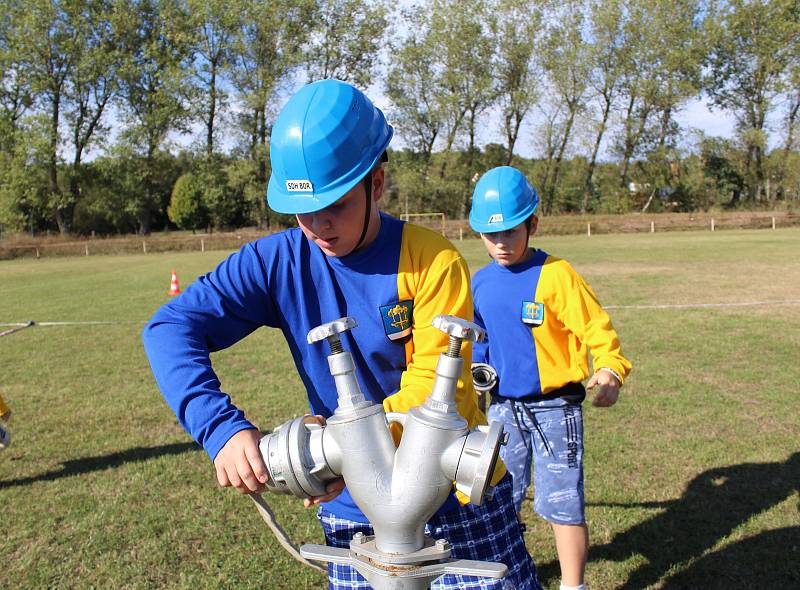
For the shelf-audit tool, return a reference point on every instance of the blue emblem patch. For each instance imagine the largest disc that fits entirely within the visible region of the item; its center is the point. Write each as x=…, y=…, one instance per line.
x=533, y=313
x=397, y=319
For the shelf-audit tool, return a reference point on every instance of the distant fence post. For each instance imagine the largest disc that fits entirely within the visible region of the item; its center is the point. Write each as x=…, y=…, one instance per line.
x=37, y=252
x=86, y=248
x=202, y=245
x=652, y=227
x=712, y=224
x=460, y=234
x=588, y=229
x=144, y=247
x=773, y=222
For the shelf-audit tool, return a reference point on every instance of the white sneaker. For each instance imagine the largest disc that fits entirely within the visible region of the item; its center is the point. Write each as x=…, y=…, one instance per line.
x=5, y=438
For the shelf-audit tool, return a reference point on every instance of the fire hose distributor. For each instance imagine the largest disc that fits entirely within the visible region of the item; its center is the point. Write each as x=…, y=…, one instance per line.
x=398, y=489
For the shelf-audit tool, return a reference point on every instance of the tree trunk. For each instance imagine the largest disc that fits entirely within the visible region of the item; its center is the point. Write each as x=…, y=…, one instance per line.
x=212, y=111
x=789, y=145
x=561, y=149
x=588, y=185
x=470, y=161
x=61, y=215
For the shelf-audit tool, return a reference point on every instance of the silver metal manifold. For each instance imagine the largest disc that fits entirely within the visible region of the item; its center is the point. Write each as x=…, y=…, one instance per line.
x=398, y=488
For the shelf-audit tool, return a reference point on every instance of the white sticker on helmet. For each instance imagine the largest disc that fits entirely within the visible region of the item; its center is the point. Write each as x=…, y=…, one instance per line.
x=299, y=186
x=496, y=218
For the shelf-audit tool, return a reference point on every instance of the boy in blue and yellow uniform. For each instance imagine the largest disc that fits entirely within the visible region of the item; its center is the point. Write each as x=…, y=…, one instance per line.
x=541, y=321
x=345, y=259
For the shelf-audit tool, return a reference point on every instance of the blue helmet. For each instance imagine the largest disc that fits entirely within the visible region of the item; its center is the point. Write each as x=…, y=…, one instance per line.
x=325, y=140
x=503, y=198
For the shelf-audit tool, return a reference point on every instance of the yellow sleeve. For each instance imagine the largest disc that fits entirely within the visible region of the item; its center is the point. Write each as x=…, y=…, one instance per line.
x=436, y=278
x=583, y=315
x=4, y=409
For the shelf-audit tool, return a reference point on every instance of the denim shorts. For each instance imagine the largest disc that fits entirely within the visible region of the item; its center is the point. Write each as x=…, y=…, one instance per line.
x=546, y=437
x=489, y=532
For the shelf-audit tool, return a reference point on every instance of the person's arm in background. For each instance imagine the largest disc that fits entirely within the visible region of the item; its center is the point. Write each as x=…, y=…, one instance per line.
x=216, y=311
x=586, y=318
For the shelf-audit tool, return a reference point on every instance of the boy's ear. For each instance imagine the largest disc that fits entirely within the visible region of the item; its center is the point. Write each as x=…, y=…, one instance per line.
x=378, y=180
x=534, y=225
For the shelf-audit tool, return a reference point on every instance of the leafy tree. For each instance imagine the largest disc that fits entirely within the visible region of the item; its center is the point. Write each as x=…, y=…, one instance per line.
x=187, y=207
x=346, y=40
x=154, y=85
x=16, y=97
x=606, y=55
x=753, y=43
x=47, y=37
x=214, y=25
x=516, y=28
x=267, y=51
x=568, y=66
x=24, y=182
x=791, y=118
x=720, y=166
x=90, y=88
x=639, y=86
x=410, y=86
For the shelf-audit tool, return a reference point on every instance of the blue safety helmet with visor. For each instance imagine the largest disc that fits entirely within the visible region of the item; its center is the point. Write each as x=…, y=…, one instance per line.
x=503, y=198
x=325, y=140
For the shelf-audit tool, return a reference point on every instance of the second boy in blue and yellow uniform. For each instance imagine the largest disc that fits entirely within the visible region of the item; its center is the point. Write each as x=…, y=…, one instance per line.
x=542, y=321
x=345, y=259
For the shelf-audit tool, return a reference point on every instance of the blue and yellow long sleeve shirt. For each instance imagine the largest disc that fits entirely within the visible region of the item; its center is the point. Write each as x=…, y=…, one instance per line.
x=542, y=320
x=393, y=288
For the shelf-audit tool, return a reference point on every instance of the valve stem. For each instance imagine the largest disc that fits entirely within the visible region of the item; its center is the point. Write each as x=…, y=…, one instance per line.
x=454, y=347
x=336, y=345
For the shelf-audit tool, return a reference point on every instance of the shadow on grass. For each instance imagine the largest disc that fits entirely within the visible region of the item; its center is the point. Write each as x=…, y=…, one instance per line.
x=91, y=464
x=714, y=504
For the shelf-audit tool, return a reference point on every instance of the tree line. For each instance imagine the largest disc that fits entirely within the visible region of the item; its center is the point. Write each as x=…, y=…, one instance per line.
x=94, y=94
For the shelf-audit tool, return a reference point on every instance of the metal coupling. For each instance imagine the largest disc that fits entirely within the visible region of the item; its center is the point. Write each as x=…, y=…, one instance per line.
x=477, y=455
x=484, y=377
x=296, y=460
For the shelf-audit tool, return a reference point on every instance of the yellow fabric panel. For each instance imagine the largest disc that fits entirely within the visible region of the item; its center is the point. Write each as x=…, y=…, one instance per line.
x=4, y=409
x=433, y=274
x=575, y=325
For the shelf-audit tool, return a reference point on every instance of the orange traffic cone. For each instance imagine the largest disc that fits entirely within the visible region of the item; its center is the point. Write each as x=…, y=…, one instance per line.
x=174, y=287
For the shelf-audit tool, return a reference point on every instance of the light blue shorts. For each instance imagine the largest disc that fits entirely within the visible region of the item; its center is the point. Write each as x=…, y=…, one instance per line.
x=547, y=437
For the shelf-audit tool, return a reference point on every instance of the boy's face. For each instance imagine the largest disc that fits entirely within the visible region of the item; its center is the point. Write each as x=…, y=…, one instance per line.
x=511, y=246
x=337, y=228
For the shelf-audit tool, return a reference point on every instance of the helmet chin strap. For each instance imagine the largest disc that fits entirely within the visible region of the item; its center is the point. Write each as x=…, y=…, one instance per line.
x=367, y=211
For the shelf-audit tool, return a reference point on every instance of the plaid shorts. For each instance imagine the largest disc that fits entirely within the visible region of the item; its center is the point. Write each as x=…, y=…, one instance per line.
x=489, y=532
x=549, y=434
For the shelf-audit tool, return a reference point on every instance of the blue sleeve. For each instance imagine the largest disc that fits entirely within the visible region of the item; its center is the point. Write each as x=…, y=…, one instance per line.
x=216, y=311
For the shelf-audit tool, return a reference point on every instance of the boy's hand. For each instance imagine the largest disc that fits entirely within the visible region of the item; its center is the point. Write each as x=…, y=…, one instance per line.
x=607, y=389
x=239, y=463
x=334, y=489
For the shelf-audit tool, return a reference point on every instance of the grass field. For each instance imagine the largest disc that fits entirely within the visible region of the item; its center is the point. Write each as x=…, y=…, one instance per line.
x=692, y=478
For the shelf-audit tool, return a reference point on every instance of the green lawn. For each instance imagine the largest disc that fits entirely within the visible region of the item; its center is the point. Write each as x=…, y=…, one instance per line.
x=692, y=478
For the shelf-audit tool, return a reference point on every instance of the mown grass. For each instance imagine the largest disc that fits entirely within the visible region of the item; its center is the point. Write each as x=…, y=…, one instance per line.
x=692, y=478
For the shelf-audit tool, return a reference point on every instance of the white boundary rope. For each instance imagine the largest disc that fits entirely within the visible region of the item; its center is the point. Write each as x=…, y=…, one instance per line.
x=704, y=305
x=84, y=323
x=642, y=306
